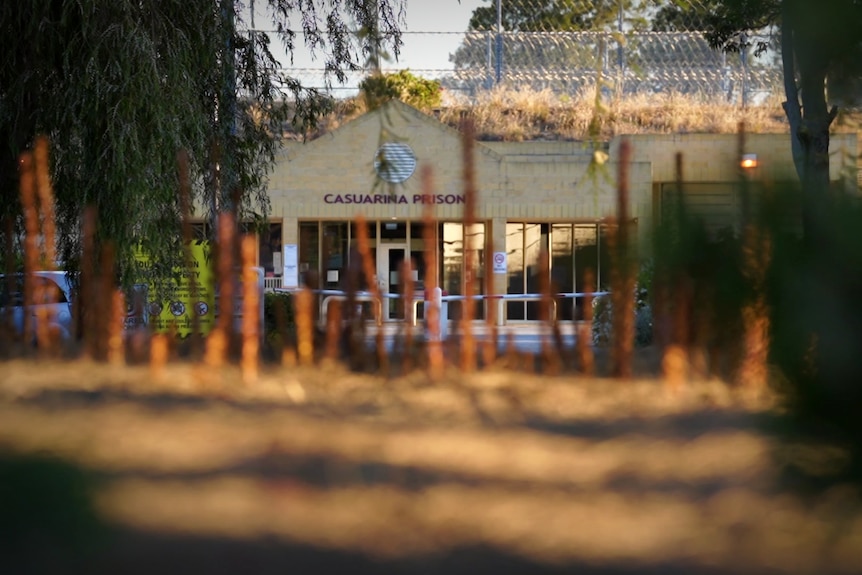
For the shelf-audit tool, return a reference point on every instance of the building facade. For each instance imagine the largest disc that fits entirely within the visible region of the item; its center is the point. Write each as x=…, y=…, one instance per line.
x=531, y=197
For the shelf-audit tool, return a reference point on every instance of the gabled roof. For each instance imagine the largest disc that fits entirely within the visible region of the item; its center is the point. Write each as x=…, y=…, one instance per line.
x=388, y=115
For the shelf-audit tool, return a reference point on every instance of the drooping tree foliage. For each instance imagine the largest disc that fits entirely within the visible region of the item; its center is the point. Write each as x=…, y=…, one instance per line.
x=120, y=87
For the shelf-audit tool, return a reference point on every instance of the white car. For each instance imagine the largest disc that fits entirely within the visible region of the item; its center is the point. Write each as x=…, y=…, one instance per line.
x=57, y=292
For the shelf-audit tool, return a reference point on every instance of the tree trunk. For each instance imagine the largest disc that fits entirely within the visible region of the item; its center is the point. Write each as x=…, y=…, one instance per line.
x=809, y=120
x=791, y=92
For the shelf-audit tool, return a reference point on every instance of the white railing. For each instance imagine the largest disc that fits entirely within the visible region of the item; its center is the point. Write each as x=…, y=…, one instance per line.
x=501, y=299
x=271, y=283
x=330, y=295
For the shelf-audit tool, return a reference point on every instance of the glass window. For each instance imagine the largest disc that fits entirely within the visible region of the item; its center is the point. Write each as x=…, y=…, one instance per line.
x=354, y=257
x=574, y=249
x=535, y=240
x=563, y=268
x=393, y=232
x=417, y=252
x=309, y=254
x=524, y=244
x=333, y=251
x=515, y=268
x=604, y=254
x=586, y=258
x=453, y=256
x=456, y=260
x=474, y=264
x=269, y=244
x=370, y=230
x=417, y=238
x=452, y=234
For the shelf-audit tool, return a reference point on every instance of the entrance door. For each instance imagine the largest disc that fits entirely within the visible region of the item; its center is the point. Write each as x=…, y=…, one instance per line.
x=389, y=260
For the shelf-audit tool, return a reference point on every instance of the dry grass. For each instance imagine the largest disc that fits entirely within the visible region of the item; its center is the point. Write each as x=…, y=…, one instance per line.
x=533, y=474
x=529, y=115
x=525, y=114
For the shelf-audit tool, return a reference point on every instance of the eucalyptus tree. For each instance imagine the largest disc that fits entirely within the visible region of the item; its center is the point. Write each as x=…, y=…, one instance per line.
x=547, y=15
x=120, y=87
x=815, y=314
x=821, y=52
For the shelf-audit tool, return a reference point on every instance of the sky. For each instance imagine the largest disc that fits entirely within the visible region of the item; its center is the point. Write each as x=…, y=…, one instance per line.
x=433, y=30
x=431, y=51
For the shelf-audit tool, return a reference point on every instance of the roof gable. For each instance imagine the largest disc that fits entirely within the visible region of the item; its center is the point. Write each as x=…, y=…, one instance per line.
x=394, y=121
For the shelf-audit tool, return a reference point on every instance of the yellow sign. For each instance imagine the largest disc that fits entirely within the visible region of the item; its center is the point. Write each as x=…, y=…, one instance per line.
x=193, y=298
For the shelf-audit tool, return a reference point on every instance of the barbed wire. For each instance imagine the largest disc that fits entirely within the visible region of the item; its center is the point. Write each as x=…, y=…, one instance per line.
x=567, y=46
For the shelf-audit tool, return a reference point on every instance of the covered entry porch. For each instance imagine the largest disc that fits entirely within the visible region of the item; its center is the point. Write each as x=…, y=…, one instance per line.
x=325, y=252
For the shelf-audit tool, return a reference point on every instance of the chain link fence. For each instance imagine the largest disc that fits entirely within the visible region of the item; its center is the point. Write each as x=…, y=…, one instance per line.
x=569, y=46
x=571, y=62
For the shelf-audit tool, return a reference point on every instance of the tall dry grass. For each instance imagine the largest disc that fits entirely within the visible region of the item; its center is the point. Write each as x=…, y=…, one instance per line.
x=527, y=114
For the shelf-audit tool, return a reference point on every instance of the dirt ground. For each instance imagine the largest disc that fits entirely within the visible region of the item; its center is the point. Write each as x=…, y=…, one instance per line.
x=324, y=470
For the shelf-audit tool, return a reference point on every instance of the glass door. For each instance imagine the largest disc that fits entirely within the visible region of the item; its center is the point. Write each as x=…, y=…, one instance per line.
x=389, y=261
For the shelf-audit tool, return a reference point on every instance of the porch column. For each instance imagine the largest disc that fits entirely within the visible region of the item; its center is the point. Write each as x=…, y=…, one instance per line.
x=499, y=281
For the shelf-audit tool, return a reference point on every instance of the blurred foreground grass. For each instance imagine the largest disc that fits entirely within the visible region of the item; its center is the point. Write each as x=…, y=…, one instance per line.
x=327, y=470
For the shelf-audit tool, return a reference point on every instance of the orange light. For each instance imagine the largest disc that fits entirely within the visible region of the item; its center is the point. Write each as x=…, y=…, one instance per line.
x=748, y=161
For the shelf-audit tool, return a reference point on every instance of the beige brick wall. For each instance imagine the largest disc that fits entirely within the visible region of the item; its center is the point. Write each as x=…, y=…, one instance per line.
x=715, y=157
x=529, y=181
x=515, y=180
x=537, y=181
x=342, y=162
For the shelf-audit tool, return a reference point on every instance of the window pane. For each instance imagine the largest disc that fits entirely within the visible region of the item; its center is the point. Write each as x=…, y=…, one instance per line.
x=515, y=268
x=269, y=243
x=417, y=238
x=357, y=267
x=453, y=254
x=535, y=236
x=604, y=258
x=586, y=258
x=393, y=232
x=334, y=254
x=563, y=268
x=371, y=230
x=475, y=265
x=309, y=253
x=453, y=260
x=417, y=252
